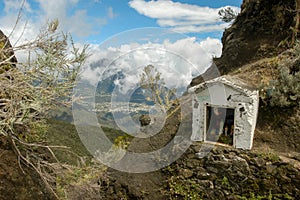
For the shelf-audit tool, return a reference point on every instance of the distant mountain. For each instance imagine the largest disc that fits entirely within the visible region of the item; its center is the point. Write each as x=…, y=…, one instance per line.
x=106, y=87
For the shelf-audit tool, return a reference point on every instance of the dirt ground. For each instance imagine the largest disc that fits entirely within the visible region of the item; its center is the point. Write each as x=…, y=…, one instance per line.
x=14, y=184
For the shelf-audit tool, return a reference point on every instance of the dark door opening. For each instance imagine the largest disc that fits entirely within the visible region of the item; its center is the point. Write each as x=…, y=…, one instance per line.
x=220, y=125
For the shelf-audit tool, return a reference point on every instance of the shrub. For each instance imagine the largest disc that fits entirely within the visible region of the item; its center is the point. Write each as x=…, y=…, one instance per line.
x=31, y=89
x=284, y=90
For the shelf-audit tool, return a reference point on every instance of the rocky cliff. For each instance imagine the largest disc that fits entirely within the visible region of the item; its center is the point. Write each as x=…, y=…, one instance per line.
x=7, y=56
x=263, y=29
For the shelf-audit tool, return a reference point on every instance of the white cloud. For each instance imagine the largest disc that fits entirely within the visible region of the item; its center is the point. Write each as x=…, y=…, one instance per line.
x=81, y=24
x=78, y=23
x=55, y=9
x=19, y=30
x=111, y=13
x=212, y=46
x=178, y=61
x=172, y=10
x=12, y=5
x=71, y=20
x=182, y=17
x=199, y=29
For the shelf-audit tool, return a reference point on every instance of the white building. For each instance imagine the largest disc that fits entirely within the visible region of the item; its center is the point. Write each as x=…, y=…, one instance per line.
x=224, y=112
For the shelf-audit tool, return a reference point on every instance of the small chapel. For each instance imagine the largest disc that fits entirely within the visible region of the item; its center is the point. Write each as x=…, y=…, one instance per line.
x=224, y=112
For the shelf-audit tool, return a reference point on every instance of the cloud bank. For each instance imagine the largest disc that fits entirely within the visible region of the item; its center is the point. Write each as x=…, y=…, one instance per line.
x=35, y=14
x=178, y=61
x=23, y=20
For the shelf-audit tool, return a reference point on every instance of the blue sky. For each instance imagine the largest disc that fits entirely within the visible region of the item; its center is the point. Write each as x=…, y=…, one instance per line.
x=105, y=18
x=128, y=18
x=117, y=32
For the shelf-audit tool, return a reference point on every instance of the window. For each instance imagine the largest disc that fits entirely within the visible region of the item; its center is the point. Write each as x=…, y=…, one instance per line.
x=219, y=125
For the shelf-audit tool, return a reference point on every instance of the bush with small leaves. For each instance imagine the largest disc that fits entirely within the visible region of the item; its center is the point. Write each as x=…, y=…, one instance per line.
x=29, y=90
x=284, y=90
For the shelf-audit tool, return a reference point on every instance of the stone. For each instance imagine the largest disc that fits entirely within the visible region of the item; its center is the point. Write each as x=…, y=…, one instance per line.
x=195, y=147
x=270, y=168
x=259, y=162
x=222, y=165
x=186, y=173
x=192, y=163
x=145, y=120
x=212, y=169
x=207, y=184
x=203, y=175
x=241, y=164
x=6, y=52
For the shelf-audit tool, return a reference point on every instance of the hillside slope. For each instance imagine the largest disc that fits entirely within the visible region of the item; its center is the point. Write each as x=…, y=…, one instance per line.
x=263, y=29
x=253, y=46
x=259, y=40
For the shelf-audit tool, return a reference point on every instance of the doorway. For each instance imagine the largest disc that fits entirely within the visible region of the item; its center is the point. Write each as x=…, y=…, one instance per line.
x=219, y=125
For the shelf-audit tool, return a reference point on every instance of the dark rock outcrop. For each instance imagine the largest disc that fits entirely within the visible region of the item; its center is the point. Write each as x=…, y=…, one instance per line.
x=7, y=56
x=232, y=174
x=224, y=173
x=145, y=120
x=263, y=29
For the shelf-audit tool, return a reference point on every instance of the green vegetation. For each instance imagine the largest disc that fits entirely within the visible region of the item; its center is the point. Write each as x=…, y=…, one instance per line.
x=78, y=177
x=269, y=156
x=270, y=196
x=225, y=183
x=183, y=189
x=64, y=134
x=284, y=89
x=227, y=14
x=81, y=170
x=29, y=91
x=118, y=137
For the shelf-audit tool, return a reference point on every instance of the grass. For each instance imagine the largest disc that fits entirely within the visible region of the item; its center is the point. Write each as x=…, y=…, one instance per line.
x=65, y=134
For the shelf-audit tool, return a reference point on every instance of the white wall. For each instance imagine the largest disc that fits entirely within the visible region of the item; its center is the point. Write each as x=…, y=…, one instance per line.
x=241, y=100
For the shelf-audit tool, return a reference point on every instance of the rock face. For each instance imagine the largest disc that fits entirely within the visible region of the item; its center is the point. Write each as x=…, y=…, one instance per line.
x=232, y=174
x=145, y=120
x=224, y=173
x=17, y=181
x=6, y=53
x=264, y=28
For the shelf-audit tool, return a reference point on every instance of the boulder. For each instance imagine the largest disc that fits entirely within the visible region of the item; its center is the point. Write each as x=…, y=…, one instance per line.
x=7, y=56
